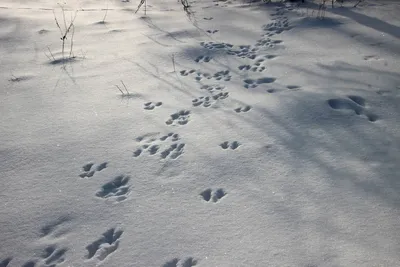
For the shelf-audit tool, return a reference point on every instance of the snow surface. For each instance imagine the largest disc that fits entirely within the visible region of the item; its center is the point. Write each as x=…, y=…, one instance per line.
x=253, y=135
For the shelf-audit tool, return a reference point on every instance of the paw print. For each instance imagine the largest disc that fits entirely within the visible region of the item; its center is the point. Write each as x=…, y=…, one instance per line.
x=210, y=195
x=151, y=105
x=232, y=145
x=89, y=169
x=179, y=118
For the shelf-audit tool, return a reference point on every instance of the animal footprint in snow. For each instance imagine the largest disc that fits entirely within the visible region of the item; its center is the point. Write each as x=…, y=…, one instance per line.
x=166, y=146
x=207, y=101
x=151, y=105
x=189, y=262
x=250, y=83
x=244, y=51
x=174, y=151
x=242, y=109
x=5, y=262
x=50, y=257
x=220, y=96
x=258, y=66
x=105, y=245
x=233, y=145
x=213, y=196
x=54, y=229
x=212, y=88
x=354, y=103
x=209, y=18
x=53, y=256
x=216, y=46
x=202, y=101
x=89, y=169
x=179, y=118
x=277, y=26
x=203, y=59
x=220, y=75
x=267, y=42
x=186, y=72
x=117, y=189
x=212, y=31
x=244, y=67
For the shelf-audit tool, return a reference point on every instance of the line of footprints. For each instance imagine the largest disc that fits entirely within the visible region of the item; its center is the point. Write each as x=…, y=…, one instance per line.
x=170, y=146
x=53, y=254
x=117, y=190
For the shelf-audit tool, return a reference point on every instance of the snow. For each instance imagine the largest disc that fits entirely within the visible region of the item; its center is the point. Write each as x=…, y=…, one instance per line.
x=252, y=135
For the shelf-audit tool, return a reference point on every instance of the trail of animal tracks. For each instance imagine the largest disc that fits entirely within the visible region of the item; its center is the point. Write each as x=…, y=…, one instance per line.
x=248, y=135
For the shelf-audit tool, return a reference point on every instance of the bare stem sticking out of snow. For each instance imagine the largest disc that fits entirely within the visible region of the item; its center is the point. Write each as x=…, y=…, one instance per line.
x=105, y=15
x=185, y=4
x=123, y=94
x=140, y=5
x=68, y=29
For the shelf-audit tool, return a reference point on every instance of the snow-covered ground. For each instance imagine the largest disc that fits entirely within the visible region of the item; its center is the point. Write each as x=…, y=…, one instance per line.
x=252, y=135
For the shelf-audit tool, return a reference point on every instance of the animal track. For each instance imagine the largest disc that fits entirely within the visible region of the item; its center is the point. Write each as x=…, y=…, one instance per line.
x=50, y=257
x=267, y=43
x=212, y=31
x=5, y=262
x=243, y=51
x=54, y=228
x=250, y=83
x=207, y=101
x=53, y=256
x=233, y=145
x=189, y=262
x=216, y=46
x=212, y=88
x=242, y=109
x=352, y=102
x=214, y=196
x=166, y=146
x=117, y=189
x=258, y=66
x=179, y=118
x=174, y=151
x=277, y=27
x=224, y=74
x=105, y=245
x=203, y=59
x=151, y=105
x=209, y=18
x=187, y=72
x=89, y=169
x=255, y=68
